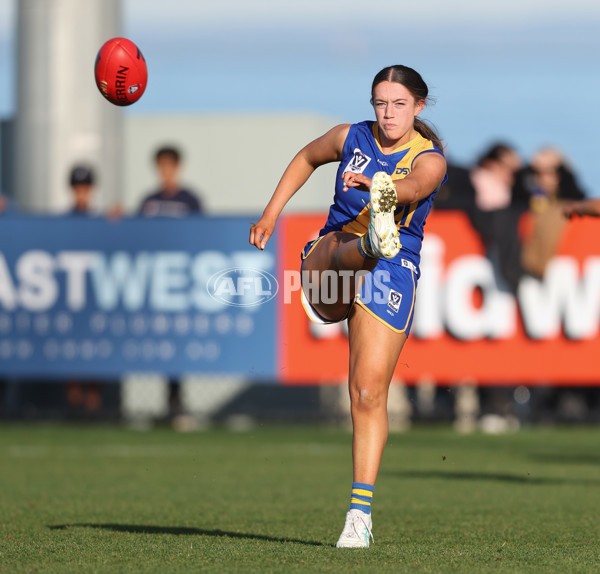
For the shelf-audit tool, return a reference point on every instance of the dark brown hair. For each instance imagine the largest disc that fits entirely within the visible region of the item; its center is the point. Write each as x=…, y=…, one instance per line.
x=414, y=83
x=171, y=152
x=495, y=153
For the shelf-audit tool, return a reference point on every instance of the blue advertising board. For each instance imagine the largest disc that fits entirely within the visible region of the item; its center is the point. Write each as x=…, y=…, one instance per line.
x=90, y=297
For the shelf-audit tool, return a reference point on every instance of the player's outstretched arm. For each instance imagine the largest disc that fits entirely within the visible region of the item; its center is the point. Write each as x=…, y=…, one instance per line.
x=427, y=174
x=589, y=207
x=323, y=150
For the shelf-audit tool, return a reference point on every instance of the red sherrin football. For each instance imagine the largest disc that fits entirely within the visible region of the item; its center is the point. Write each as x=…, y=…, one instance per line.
x=121, y=72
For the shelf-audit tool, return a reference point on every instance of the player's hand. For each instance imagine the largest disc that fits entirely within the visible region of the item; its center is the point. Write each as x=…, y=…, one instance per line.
x=358, y=180
x=261, y=231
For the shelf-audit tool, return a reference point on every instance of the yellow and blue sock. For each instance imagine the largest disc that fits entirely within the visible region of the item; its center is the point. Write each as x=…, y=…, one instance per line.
x=362, y=496
x=364, y=247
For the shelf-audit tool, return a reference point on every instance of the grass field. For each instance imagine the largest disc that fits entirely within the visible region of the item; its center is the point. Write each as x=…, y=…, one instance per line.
x=96, y=499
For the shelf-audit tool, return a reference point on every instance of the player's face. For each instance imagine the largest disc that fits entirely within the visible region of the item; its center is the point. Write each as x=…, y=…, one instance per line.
x=395, y=111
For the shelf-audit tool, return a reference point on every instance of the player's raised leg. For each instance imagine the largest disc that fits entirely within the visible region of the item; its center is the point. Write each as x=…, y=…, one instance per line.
x=341, y=251
x=336, y=252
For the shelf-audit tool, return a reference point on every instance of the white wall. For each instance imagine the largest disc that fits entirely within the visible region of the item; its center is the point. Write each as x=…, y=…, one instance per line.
x=234, y=161
x=61, y=117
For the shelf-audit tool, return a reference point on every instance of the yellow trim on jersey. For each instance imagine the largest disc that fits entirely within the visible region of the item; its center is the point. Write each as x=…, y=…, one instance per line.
x=360, y=224
x=375, y=130
x=311, y=248
x=412, y=304
x=417, y=145
x=382, y=320
x=411, y=211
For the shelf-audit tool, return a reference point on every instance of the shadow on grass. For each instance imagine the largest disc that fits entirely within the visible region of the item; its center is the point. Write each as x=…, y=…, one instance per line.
x=566, y=458
x=182, y=531
x=493, y=476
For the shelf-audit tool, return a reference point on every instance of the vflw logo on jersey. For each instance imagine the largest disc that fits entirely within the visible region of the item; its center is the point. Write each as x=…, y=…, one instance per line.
x=358, y=163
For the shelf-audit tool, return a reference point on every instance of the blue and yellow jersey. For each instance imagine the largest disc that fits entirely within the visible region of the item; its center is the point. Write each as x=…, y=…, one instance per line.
x=350, y=210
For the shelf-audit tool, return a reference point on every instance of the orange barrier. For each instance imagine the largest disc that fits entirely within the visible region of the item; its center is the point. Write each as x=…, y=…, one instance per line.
x=465, y=328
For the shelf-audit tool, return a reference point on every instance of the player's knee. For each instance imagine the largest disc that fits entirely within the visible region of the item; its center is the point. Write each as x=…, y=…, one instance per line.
x=367, y=398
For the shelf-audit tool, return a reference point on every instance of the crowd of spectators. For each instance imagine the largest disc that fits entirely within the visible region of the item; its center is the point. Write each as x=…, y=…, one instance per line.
x=499, y=189
x=497, y=192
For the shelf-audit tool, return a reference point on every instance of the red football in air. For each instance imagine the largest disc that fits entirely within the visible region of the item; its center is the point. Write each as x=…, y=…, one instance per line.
x=121, y=72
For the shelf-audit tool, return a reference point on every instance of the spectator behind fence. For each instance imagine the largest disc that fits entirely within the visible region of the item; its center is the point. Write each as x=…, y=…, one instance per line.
x=494, y=214
x=171, y=199
x=550, y=184
x=82, y=183
x=83, y=397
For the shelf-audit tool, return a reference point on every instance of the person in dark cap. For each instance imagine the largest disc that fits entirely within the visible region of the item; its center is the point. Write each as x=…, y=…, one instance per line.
x=82, y=182
x=83, y=397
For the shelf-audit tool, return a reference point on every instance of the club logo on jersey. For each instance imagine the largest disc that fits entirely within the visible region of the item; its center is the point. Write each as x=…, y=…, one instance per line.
x=358, y=163
x=394, y=300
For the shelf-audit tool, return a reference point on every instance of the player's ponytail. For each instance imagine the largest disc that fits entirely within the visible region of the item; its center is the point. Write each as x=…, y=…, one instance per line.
x=414, y=83
x=428, y=133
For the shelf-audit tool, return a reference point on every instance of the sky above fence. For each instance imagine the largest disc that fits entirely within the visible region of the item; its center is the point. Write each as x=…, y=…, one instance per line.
x=520, y=71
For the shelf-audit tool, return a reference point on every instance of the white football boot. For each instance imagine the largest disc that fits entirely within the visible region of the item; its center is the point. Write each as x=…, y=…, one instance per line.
x=357, y=530
x=383, y=233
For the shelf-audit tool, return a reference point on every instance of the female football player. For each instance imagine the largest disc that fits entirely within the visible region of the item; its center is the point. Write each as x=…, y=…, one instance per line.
x=389, y=172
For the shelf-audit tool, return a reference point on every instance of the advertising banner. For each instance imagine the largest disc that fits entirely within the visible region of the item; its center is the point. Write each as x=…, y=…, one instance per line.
x=466, y=328
x=84, y=296
x=93, y=298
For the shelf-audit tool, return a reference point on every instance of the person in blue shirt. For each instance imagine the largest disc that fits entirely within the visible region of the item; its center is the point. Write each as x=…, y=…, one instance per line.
x=171, y=199
x=389, y=172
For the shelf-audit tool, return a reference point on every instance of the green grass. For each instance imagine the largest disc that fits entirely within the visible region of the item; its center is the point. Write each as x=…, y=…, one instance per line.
x=95, y=499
